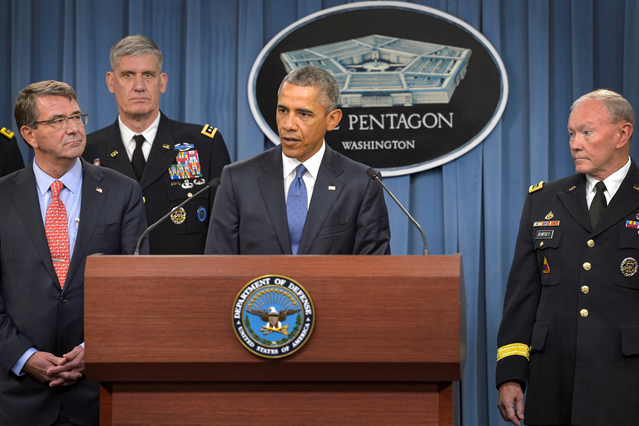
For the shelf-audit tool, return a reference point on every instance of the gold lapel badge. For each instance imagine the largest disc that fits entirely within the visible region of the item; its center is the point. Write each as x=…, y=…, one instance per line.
x=549, y=216
x=114, y=153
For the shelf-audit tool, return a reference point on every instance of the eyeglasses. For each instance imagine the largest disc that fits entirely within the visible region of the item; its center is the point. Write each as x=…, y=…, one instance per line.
x=62, y=122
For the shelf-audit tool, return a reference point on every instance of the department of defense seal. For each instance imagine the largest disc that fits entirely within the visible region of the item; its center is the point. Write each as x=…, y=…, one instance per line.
x=273, y=316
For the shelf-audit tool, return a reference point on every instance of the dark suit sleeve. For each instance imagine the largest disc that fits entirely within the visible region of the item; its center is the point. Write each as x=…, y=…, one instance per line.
x=134, y=223
x=373, y=231
x=223, y=234
x=520, y=305
x=12, y=343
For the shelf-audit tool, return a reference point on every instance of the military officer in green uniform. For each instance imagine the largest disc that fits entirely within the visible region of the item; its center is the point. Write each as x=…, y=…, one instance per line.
x=170, y=159
x=569, y=335
x=10, y=157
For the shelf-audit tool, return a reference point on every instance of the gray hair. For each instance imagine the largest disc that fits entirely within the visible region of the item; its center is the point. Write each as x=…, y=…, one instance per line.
x=25, y=110
x=619, y=109
x=134, y=45
x=312, y=76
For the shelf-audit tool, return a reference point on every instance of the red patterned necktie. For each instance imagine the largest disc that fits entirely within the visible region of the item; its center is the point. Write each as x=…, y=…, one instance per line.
x=57, y=230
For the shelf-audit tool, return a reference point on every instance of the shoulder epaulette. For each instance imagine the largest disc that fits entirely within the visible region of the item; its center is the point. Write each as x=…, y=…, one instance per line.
x=209, y=131
x=8, y=133
x=536, y=187
x=513, y=349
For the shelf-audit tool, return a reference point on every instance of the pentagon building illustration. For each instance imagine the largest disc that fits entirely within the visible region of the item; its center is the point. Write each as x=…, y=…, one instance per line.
x=376, y=70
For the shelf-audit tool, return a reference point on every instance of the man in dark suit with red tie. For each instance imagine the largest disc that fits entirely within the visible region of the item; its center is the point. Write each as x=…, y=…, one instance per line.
x=56, y=212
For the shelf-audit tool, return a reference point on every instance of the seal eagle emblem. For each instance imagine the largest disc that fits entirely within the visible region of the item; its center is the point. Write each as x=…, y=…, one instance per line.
x=273, y=316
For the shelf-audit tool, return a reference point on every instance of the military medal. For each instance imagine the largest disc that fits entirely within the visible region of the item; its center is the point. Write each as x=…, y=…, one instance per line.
x=178, y=216
x=188, y=164
x=199, y=181
x=187, y=184
x=542, y=223
x=629, y=267
x=632, y=224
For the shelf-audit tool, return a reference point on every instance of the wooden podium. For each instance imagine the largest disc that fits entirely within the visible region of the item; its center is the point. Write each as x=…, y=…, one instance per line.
x=386, y=346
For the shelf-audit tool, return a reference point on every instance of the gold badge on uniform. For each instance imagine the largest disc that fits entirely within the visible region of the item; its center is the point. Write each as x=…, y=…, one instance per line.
x=114, y=153
x=629, y=267
x=209, y=131
x=546, y=268
x=549, y=216
x=178, y=216
x=7, y=132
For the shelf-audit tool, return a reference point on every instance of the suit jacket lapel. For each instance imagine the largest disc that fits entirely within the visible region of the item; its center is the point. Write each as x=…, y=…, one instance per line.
x=25, y=200
x=91, y=206
x=115, y=152
x=322, y=200
x=160, y=157
x=625, y=201
x=271, y=185
x=574, y=200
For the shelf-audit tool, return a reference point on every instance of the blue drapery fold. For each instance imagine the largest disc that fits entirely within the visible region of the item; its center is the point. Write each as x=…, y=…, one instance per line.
x=554, y=51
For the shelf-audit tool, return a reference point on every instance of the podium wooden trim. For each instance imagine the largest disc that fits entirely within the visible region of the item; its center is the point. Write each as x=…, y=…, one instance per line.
x=386, y=346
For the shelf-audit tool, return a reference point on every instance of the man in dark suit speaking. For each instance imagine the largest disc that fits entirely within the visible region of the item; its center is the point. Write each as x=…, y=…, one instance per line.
x=170, y=159
x=56, y=212
x=300, y=197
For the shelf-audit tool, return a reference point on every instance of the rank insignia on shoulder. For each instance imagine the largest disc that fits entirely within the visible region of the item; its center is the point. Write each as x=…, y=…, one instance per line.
x=8, y=133
x=209, y=131
x=536, y=187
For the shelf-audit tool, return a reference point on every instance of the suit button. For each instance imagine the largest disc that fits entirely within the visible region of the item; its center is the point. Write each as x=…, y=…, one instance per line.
x=144, y=199
x=541, y=244
x=63, y=299
x=591, y=243
x=587, y=266
x=583, y=313
x=189, y=195
x=585, y=289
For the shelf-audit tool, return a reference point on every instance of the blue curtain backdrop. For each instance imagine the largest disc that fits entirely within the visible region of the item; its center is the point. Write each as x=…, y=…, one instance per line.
x=554, y=51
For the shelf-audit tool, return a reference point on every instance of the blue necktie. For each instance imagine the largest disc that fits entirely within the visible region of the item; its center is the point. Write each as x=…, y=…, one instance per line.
x=296, y=206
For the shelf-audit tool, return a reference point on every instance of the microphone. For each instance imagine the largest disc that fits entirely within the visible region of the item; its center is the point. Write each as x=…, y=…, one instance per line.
x=372, y=173
x=212, y=184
